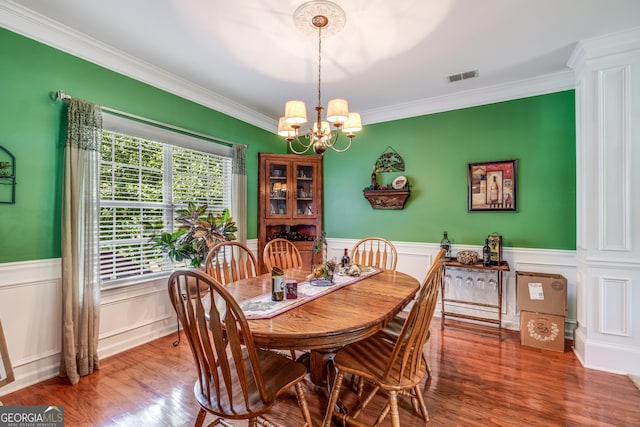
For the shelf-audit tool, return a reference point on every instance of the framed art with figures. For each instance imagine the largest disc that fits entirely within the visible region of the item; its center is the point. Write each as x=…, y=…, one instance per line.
x=492, y=186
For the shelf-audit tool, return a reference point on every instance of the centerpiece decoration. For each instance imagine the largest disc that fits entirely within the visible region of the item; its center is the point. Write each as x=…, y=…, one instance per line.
x=325, y=271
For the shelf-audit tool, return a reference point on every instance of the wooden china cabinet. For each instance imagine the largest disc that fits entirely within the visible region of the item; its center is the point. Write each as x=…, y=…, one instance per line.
x=290, y=201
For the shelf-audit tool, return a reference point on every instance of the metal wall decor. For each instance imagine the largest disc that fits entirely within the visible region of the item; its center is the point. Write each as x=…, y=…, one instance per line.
x=389, y=161
x=7, y=177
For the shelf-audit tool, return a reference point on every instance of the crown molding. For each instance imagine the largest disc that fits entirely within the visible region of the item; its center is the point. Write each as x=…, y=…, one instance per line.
x=21, y=20
x=620, y=43
x=24, y=21
x=549, y=83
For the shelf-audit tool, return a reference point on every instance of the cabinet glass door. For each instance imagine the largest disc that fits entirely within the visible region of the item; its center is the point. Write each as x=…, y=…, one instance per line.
x=278, y=190
x=304, y=202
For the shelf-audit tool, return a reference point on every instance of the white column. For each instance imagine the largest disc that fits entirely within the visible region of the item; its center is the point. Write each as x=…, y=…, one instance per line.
x=607, y=73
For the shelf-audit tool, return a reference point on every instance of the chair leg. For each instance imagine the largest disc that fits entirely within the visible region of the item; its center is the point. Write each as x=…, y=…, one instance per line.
x=423, y=407
x=393, y=401
x=302, y=402
x=200, y=418
x=426, y=363
x=357, y=385
x=364, y=402
x=177, y=342
x=335, y=392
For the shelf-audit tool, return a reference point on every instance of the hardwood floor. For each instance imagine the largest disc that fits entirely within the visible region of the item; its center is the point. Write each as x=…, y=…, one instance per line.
x=477, y=381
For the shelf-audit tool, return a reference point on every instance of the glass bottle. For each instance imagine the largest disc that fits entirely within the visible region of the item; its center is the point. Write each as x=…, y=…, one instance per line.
x=345, y=259
x=277, y=284
x=446, y=244
x=486, y=253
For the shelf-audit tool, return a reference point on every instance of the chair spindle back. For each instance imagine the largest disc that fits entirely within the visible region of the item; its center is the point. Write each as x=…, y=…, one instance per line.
x=281, y=253
x=230, y=261
x=375, y=252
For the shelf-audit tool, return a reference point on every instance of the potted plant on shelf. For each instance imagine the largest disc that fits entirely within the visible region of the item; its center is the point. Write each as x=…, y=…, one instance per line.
x=198, y=231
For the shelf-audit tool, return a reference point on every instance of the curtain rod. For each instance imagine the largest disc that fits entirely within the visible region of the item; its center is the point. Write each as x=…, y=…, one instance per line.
x=62, y=96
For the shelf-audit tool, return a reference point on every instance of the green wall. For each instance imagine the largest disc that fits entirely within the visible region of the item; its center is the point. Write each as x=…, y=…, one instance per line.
x=31, y=123
x=539, y=132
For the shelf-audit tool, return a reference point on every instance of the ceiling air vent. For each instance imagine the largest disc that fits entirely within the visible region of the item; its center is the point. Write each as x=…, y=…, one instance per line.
x=463, y=76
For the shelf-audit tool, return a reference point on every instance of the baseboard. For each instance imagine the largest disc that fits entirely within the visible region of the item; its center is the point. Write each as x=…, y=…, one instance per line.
x=130, y=316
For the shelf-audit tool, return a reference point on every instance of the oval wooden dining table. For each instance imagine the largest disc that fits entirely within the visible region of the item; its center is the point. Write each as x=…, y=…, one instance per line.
x=326, y=323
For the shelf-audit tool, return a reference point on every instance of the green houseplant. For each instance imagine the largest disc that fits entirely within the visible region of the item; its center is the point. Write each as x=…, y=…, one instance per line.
x=198, y=231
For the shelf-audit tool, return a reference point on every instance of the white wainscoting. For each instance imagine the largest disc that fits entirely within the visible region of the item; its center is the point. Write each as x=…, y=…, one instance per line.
x=415, y=258
x=30, y=310
x=31, y=316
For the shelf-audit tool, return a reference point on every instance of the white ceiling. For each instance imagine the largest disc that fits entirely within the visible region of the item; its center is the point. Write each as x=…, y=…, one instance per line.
x=392, y=59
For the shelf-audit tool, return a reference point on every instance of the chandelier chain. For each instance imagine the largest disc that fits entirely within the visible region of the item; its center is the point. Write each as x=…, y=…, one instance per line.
x=319, y=61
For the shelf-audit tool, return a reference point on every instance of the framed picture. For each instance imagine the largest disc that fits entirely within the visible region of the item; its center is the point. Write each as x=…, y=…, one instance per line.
x=6, y=372
x=492, y=186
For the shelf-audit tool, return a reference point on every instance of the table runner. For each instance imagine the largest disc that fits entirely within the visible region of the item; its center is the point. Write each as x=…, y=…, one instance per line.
x=262, y=307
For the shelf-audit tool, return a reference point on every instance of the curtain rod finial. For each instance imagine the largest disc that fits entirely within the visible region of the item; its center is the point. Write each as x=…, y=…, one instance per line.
x=61, y=96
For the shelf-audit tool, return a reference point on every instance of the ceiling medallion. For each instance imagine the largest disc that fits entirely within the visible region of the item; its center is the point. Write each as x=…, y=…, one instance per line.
x=306, y=12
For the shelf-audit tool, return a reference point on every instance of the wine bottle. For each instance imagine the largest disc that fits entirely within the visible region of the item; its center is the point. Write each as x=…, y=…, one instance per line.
x=345, y=259
x=494, y=192
x=446, y=244
x=486, y=253
x=277, y=284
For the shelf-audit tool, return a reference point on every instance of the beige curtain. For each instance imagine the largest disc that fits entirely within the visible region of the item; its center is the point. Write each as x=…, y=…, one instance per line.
x=239, y=210
x=80, y=252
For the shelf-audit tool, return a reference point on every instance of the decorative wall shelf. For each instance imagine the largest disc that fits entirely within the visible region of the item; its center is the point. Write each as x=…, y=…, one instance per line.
x=386, y=199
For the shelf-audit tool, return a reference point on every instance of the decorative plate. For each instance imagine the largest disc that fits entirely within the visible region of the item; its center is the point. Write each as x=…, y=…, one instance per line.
x=399, y=182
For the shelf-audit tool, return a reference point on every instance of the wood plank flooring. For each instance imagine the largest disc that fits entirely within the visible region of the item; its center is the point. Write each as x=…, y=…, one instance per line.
x=477, y=381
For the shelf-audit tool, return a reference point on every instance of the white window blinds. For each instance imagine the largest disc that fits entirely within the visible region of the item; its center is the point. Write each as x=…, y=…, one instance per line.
x=145, y=181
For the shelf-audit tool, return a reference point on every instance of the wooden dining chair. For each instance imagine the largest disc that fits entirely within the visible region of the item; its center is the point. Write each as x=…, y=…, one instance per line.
x=235, y=380
x=230, y=261
x=375, y=252
x=394, y=367
x=281, y=253
x=394, y=327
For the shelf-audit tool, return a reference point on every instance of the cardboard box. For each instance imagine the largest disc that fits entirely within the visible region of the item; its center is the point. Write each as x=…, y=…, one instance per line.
x=542, y=330
x=541, y=293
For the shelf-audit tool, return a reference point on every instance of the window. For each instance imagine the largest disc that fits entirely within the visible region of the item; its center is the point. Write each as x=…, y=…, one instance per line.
x=145, y=180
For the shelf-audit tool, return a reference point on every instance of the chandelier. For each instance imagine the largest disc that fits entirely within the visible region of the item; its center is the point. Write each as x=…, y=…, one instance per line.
x=321, y=135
